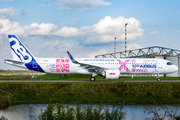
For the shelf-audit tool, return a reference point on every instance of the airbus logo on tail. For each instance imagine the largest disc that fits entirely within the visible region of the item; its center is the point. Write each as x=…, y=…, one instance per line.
x=19, y=50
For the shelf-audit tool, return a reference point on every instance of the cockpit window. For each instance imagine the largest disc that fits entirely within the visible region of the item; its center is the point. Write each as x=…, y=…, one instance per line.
x=169, y=63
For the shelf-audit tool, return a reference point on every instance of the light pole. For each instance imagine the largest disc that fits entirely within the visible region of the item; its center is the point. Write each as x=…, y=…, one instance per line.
x=115, y=47
x=125, y=38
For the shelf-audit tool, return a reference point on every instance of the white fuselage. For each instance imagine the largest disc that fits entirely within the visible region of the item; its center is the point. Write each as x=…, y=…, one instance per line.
x=125, y=65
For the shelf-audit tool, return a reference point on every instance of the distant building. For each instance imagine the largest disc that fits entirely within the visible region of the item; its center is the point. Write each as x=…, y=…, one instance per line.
x=150, y=52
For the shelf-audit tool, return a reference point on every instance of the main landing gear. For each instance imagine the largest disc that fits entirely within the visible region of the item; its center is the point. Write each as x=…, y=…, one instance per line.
x=92, y=79
x=158, y=79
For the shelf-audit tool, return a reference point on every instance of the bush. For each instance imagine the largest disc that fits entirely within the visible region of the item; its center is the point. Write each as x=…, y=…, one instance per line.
x=60, y=112
x=3, y=118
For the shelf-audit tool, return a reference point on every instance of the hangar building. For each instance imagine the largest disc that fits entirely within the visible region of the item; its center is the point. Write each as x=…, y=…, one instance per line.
x=150, y=52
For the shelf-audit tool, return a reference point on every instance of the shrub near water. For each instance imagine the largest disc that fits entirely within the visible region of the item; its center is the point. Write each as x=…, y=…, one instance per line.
x=5, y=101
x=59, y=112
x=128, y=93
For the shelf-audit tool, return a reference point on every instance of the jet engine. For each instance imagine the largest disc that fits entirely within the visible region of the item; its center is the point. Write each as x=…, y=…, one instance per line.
x=111, y=74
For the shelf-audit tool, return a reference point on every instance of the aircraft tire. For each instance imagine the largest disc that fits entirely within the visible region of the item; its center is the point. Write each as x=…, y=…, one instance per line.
x=92, y=79
x=158, y=79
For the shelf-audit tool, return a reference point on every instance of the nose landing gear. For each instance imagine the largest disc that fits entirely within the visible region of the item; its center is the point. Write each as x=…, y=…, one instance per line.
x=92, y=79
x=158, y=79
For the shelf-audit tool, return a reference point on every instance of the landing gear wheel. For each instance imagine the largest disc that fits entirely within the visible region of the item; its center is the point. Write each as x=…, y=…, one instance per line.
x=158, y=79
x=92, y=79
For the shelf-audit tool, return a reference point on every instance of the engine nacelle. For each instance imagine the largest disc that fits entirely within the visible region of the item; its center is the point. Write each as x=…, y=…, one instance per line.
x=111, y=74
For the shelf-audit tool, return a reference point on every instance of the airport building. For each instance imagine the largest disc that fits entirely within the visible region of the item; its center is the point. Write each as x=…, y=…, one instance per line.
x=149, y=52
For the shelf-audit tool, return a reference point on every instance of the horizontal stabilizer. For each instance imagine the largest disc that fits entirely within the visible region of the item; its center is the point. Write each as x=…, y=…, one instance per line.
x=13, y=61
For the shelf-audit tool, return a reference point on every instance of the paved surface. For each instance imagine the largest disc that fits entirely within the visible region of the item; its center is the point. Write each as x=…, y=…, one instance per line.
x=4, y=81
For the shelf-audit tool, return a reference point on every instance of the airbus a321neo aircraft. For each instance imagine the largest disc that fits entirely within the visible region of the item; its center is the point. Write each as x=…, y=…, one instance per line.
x=109, y=68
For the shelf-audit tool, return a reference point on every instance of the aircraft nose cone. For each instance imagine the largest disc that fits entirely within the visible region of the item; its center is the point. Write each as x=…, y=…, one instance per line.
x=176, y=68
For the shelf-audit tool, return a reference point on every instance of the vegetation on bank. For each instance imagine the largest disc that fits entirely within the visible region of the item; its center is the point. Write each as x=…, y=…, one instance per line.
x=5, y=101
x=119, y=93
x=100, y=112
x=59, y=112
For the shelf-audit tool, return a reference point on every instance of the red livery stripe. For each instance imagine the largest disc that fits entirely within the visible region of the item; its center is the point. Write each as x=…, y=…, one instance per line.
x=111, y=73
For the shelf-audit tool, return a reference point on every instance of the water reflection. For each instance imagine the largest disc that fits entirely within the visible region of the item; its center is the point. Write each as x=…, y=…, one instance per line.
x=31, y=111
x=23, y=112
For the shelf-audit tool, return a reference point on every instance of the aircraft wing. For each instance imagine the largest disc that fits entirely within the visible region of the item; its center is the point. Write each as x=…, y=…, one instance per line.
x=86, y=66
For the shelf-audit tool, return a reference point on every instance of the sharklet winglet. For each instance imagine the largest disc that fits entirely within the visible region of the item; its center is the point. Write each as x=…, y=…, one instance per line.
x=71, y=57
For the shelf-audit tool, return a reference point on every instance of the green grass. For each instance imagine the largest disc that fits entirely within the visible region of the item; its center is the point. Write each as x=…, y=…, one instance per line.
x=127, y=93
x=48, y=77
x=16, y=77
x=87, y=77
x=76, y=77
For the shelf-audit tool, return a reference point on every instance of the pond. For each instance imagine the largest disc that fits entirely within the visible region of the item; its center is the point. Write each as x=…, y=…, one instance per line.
x=133, y=112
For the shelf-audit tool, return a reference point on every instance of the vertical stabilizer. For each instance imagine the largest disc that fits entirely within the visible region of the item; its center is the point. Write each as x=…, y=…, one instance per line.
x=19, y=51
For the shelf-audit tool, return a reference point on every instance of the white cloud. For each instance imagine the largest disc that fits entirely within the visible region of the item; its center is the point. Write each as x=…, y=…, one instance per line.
x=56, y=48
x=44, y=5
x=40, y=29
x=56, y=44
x=105, y=30
x=6, y=13
x=133, y=46
x=93, y=54
x=102, y=32
x=66, y=32
x=79, y=4
x=70, y=22
x=9, y=27
x=107, y=50
x=154, y=33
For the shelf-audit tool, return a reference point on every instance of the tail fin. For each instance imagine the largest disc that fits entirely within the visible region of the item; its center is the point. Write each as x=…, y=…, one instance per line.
x=19, y=51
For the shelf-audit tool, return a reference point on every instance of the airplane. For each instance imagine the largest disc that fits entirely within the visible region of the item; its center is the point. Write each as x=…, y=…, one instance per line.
x=109, y=68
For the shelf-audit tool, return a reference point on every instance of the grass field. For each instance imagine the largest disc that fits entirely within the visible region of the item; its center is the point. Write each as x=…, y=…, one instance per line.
x=32, y=75
x=125, y=93
x=75, y=77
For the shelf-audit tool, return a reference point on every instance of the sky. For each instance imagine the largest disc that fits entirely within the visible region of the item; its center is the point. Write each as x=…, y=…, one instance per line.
x=85, y=28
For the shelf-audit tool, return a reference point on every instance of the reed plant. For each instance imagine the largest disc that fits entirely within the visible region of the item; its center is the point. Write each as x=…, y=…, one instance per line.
x=3, y=118
x=60, y=112
x=163, y=112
